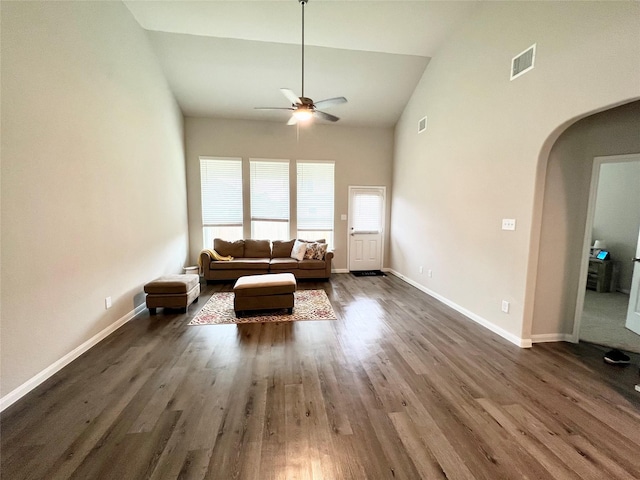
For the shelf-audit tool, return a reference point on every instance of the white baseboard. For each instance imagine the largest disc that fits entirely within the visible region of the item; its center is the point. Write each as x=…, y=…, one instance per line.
x=16, y=394
x=552, y=337
x=521, y=342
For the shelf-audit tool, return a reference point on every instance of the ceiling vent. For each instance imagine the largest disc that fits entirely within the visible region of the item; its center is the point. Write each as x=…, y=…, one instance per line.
x=523, y=62
x=422, y=124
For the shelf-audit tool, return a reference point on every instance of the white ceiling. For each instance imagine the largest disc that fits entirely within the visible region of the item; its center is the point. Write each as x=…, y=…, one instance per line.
x=223, y=58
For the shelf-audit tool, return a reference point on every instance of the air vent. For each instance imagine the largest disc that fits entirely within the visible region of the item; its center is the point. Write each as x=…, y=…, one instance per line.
x=523, y=62
x=422, y=125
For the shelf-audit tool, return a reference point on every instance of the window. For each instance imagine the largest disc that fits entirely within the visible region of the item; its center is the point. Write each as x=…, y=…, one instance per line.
x=269, y=199
x=221, y=193
x=315, y=200
x=366, y=216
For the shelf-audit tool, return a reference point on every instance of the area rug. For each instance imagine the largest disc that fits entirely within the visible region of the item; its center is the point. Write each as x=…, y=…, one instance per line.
x=309, y=305
x=368, y=273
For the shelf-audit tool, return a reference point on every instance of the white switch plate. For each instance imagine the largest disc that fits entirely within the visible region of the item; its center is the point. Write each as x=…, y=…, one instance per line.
x=430, y=273
x=508, y=223
x=343, y=216
x=505, y=306
x=107, y=303
x=421, y=269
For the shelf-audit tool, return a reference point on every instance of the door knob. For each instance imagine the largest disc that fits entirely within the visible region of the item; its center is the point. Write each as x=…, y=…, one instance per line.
x=635, y=259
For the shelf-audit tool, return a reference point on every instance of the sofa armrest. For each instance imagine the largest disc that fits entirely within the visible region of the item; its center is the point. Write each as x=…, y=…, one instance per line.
x=204, y=262
x=327, y=258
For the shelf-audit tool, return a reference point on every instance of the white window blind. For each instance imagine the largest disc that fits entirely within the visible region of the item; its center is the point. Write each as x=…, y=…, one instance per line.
x=221, y=194
x=269, y=199
x=315, y=199
x=367, y=212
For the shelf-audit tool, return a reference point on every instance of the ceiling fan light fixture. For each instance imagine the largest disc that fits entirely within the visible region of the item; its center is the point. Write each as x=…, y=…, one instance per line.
x=303, y=115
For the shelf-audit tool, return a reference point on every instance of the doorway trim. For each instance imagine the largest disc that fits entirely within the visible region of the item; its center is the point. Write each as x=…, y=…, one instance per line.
x=586, y=245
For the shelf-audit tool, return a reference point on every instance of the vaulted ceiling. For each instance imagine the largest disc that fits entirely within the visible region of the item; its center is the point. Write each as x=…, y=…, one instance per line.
x=223, y=58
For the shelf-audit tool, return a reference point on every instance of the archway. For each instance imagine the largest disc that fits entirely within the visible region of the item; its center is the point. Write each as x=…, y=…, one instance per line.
x=560, y=214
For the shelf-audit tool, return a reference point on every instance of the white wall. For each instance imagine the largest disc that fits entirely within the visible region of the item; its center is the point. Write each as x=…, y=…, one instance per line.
x=362, y=156
x=93, y=178
x=478, y=161
x=564, y=213
x=617, y=214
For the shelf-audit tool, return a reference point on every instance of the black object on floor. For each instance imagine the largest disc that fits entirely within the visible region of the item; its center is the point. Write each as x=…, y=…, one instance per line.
x=369, y=273
x=616, y=357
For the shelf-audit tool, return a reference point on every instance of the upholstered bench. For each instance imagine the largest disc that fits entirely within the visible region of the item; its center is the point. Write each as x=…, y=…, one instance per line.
x=172, y=291
x=263, y=292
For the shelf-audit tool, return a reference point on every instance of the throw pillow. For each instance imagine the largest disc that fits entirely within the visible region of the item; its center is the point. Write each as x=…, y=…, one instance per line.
x=312, y=251
x=298, y=250
x=322, y=240
x=321, y=251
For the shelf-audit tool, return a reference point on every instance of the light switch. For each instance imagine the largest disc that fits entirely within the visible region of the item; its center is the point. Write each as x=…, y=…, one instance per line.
x=508, y=224
x=343, y=216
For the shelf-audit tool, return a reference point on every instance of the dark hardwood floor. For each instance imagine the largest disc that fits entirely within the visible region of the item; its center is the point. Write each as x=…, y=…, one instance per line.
x=399, y=387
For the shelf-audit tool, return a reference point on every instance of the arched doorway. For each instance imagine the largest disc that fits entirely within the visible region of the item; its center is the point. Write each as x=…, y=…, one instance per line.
x=560, y=215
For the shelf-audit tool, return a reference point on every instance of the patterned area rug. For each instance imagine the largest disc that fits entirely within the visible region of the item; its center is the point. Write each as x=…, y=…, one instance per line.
x=309, y=305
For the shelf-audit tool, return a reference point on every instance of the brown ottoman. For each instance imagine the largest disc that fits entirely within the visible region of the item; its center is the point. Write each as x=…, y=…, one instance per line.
x=262, y=292
x=172, y=291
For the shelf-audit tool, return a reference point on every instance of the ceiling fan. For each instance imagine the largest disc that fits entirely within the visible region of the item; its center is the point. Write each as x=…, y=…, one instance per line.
x=303, y=108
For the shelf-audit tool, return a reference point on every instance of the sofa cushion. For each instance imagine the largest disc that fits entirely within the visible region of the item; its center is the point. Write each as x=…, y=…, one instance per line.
x=242, y=264
x=281, y=248
x=234, y=249
x=257, y=248
x=283, y=264
x=312, y=265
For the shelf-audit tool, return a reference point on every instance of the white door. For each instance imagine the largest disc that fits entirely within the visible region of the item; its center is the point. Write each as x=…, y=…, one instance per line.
x=633, y=314
x=366, y=227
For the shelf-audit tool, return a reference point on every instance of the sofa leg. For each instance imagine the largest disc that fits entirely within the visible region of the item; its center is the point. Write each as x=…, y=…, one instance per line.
x=152, y=311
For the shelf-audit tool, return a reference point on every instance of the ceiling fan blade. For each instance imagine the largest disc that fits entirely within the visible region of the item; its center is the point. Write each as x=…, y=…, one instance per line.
x=325, y=116
x=292, y=97
x=292, y=121
x=330, y=102
x=273, y=108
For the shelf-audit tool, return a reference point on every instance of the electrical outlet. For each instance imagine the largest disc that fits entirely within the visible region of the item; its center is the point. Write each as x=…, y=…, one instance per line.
x=420, y=270
x=505, y=306
x=107, y=303
x=430, y=273
x=508, y=223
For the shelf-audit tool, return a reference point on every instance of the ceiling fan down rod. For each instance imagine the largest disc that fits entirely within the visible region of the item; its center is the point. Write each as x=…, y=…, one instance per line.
x=303, y=3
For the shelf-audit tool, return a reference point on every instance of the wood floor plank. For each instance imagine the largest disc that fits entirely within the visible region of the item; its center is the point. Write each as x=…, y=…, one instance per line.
x=399, y=386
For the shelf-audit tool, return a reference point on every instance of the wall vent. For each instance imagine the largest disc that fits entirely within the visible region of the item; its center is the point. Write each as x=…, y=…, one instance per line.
x=422, y=124
x=523, y=62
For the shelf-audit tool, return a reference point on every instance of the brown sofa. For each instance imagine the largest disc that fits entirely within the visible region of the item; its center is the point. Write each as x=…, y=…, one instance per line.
x=256, y=257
